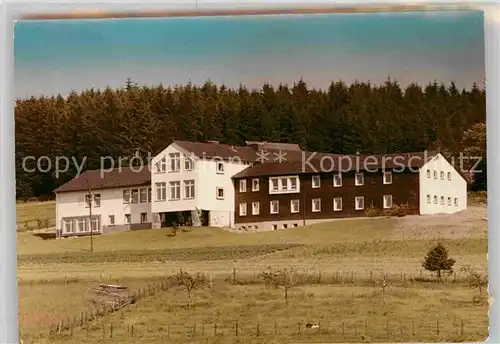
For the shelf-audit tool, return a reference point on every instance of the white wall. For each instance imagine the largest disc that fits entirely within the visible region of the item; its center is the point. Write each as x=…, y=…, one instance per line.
x=72, y=204
x=454, y=188
x=207, y=179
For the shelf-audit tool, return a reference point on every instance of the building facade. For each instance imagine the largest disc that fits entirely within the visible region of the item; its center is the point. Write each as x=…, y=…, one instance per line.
x=212, y=184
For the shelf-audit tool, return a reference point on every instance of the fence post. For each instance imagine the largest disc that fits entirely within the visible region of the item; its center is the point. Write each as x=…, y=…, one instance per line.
x=461, y=327
x=387, y=327
x=236, y=329
x=194, y=330
x=413, y=327
x=275, y=327
x=437, y=326
x=111, y=331
x=299, y=328
x=258, y=330
x=103, y=331
x=215, y=329
x=343, y=329
x=234, y=275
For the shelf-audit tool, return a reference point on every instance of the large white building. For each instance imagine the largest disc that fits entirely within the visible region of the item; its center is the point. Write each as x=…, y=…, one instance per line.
x=192, y=183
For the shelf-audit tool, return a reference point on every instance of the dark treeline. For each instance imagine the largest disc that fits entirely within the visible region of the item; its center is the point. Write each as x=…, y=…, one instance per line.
x=344, y=119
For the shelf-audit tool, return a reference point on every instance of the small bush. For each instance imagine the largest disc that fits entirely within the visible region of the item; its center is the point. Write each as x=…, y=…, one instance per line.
x=399, y=210
x=372, y=211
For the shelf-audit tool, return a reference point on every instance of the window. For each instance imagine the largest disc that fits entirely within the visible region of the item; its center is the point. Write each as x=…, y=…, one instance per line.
x=69, y=225
x=220, y=193
x=316, y=205
x=111, y=220
x=149, y=194
x=189, y=189
x=429, y=199
x=243, y=209
x=285, y=226
x=274, y=207
x=449, y=201
x=243, y=185
x=161, y=191
x=359, y=179
x=275, y=227
x=283, y=184
x=337, y=179
x=442, y=200
x=135, y=195
x=255, y=184
x=449, y=175
x=255, y=208
x=456, y=202
x=337, y=204
x=360, y=203
x=274, y=184
x=387, y=201
x=435, y=199
x=435, y=175
x=387, y=177
x=82, y=225
x=144, y=217
x=143, y=196
x=175, y=190
x=428, y=173
x=161, y=166
x=88, y=200
x=95, y=224
x=126, y=196
x=127, y=219
x=442, y=175
x=188, y=163
x=294, y=205
x=316, y=182
x=175, y=162
x=220, y=167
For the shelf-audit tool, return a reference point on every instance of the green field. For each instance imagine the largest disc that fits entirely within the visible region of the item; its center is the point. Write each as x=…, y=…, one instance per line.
x=339, y=283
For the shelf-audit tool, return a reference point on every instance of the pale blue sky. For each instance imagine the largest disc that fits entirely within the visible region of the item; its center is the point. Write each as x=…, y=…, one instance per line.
x=57, y=56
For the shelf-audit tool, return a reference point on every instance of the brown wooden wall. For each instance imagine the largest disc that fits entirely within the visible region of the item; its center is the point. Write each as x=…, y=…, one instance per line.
x=404, y=189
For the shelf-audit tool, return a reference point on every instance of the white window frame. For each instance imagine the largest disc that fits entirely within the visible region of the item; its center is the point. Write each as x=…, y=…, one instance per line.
x=441, y=174
x=435, y=174
x=126, y=196
x=318, y=202
x=81, y=222
x=127, y=219
x=294, y=210
x=356, y=183
x=442, y=200
x=217, y=189
x=271, y=207
x=174, y=186
x=219, y=167
x=111, y=220
x=449, y=201
x=316, y=181
x=188, y=163
x=284, y=185
x=95, y=224
x=449, y=175
x=435, y=199
x=337, y=177
x=69, y=222
x=243, y=209
x=429, y=199
x=255, y=184
x=189, y=189
x=428, y=173
x=175, y=162
x=456, y=202
x=161, y=166
x=255, y=208
x=144, y=217
x=356, y=202
x=136, y=192
x=335, y=208
x=88, y=200
x=243, y=185
x=161, y=191
x=387, y=180
x=385, y=198
x=143, y=195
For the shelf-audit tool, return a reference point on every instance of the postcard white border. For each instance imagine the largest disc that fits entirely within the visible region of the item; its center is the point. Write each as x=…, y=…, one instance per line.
x=13, y=10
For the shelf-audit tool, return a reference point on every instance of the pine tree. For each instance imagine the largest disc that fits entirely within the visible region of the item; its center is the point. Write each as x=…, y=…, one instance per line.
x=437, y=260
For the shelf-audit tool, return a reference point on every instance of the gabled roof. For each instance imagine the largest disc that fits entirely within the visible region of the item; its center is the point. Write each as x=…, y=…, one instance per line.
x=321, y=162
x=104, y=179
x=219, y=150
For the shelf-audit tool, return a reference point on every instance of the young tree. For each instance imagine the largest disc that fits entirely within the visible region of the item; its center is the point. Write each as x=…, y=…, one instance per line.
x=476, y=279
x=280, y=278
x=190, y=282
x=437, y=260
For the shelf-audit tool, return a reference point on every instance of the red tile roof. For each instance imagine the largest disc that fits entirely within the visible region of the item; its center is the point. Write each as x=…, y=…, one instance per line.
x=104, y=179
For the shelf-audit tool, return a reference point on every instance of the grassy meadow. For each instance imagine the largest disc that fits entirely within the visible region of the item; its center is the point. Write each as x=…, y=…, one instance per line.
x=339, y=264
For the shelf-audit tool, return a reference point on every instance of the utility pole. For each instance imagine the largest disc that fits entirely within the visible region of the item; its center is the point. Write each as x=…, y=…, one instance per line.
x=89, y=197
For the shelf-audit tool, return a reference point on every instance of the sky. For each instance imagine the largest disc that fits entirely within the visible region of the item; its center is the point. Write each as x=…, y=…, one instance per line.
x=58, y=56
